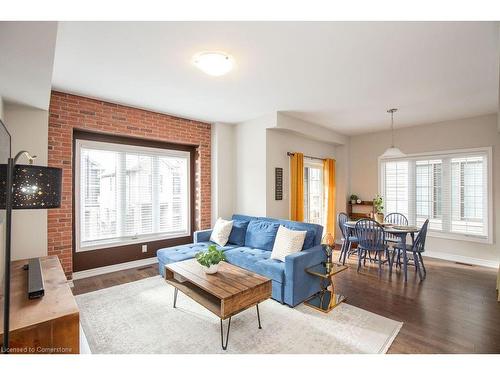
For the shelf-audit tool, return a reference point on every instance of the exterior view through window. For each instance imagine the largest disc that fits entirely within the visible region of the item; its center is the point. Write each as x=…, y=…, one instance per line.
x=451, y=190
x=130, y=193
x=313, y=193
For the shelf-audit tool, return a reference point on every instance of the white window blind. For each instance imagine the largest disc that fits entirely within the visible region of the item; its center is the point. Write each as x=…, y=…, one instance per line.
x=130, y=193
x=449, y=189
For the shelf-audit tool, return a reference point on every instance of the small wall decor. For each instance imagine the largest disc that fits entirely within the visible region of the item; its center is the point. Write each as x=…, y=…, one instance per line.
x=278, y=184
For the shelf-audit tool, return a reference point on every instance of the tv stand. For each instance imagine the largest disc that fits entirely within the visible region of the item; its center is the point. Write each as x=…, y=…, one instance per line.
x=48, y=325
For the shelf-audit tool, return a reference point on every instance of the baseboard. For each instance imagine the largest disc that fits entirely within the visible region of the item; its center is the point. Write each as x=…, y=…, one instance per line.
x=114, y=268
x=461, y=259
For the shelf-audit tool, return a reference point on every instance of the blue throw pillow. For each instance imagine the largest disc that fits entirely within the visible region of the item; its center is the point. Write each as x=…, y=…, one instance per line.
x=238, y=233
x=261, y=234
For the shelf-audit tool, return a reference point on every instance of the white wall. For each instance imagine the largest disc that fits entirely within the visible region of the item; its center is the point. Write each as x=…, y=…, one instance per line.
x=450, y=135
x=250, y=151
x=29, y=128
x=279, y=142
x=223, y=170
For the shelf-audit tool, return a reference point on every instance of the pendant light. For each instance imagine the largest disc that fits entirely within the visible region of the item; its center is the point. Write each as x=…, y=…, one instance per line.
x=392, y=152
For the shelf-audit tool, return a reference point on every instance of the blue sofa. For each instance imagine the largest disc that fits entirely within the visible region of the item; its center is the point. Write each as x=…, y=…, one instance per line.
x=250, y=245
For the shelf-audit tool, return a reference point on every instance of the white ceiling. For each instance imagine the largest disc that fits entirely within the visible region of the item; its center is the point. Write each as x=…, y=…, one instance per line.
x=343, y=75
x=26, y=62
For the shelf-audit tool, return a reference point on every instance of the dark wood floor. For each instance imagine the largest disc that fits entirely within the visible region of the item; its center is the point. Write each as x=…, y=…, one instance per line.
x=454, y=310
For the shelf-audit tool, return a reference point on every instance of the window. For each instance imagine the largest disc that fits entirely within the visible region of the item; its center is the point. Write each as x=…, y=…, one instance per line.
x=130, y=193
x=450, y=189
x=313, y=192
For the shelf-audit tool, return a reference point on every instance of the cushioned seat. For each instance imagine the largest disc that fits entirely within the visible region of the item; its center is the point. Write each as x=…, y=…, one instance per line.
x=258, y=261
x=183, y=252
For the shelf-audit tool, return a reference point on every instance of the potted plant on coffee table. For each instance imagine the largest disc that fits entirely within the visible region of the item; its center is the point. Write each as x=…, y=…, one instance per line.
x=378, y=205
x=210, y=259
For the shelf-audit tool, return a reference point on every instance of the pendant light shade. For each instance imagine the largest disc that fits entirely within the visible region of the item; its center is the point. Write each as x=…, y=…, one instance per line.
x=393, y=151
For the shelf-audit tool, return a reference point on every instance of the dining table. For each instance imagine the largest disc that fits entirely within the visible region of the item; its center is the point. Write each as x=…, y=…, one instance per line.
x=400, y=231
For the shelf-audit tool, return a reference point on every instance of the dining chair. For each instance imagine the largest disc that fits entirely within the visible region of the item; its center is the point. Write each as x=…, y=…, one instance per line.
x=347, y=240
x=371, y=238
x=416, y=248
x=397, y=219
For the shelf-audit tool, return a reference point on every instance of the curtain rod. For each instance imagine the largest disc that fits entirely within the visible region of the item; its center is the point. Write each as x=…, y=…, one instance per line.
x=306, y=156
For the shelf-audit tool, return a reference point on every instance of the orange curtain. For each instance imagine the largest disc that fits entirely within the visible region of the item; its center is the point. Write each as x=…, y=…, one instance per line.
x=297, y=186
x=329, y=194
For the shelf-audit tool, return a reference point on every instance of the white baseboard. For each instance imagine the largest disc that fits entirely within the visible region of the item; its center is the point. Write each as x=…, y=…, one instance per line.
x=114, y=268
x=461, y=259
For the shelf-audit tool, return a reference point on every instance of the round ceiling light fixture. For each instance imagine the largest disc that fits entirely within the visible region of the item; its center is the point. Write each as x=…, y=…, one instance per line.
x=213, y=63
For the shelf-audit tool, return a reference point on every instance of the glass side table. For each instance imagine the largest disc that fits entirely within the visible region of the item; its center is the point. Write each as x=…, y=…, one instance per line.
x=326, y=299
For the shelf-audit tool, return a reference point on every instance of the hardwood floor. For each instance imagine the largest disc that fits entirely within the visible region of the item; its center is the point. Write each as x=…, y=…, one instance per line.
x=454, y=310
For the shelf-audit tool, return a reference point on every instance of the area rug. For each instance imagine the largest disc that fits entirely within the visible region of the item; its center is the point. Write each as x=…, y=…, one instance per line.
x=138, y=317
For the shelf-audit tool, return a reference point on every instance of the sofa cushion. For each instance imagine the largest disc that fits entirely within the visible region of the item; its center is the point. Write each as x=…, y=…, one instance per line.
x=222, y=230
x=287, y=242
x=261, y=234
x=256, y=260
x=238, y=233
x=313, y=235
x=183, y=252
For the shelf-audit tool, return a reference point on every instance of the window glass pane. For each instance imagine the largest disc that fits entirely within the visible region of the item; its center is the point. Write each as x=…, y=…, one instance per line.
x=467, y=191
x=428, y=193
x=98, y=194
x=396, y=187
x=313, y=195
x=127, y=193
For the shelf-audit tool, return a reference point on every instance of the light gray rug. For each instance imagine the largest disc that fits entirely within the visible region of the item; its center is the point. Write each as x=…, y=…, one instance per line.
x=138, y=318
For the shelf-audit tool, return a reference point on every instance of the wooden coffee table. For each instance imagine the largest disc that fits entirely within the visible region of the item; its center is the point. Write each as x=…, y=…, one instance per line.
x=228, y=292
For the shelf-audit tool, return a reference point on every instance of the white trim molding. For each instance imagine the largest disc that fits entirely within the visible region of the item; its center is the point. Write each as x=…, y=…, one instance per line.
x=114, y=268
x=461, y=259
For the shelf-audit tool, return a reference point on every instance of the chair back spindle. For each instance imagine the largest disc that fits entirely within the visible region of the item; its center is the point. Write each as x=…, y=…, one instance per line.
x=370, y=234
x=342, y=218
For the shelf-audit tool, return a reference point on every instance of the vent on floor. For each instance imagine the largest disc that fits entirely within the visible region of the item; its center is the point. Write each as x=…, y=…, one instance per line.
x=144, y=268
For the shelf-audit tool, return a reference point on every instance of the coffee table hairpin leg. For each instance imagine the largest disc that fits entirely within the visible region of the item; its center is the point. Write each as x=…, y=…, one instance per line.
x=224, y=346
x=175, y=296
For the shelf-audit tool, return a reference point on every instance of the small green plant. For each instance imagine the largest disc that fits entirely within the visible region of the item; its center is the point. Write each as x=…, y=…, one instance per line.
x=353, y=197
x=210, y=257
x=378, y=204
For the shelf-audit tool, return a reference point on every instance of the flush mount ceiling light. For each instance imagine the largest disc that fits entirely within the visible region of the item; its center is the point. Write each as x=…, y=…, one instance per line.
x=392, y=152
x=213, y=63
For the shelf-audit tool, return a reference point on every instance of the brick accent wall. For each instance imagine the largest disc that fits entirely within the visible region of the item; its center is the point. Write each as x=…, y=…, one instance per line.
x=68, y=112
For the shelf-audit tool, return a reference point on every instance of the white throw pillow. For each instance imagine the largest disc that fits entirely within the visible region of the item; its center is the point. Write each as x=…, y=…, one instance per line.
x=222, y=230
x=287, y=242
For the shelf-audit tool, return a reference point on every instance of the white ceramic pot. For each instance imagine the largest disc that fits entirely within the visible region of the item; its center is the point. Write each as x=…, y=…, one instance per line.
x=212, y=269
x=353, y=201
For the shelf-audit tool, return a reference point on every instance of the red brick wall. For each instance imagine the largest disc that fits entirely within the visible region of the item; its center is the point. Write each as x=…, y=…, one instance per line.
x=68, y=112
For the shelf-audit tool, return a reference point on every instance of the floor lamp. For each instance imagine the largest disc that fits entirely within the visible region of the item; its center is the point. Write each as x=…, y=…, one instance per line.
x=23, y=187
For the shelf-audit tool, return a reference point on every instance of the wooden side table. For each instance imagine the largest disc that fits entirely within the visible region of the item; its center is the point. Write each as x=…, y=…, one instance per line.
x=326, y=299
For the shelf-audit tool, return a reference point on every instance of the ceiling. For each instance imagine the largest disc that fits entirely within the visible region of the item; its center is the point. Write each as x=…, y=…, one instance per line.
x=26, y=62
x=342, y=75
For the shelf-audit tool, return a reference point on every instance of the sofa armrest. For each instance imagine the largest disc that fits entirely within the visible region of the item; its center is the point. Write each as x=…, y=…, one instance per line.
x=202, y=235
x=299, y=284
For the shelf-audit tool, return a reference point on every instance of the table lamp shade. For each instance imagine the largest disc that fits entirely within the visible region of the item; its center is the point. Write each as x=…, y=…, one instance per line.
x=34, y=187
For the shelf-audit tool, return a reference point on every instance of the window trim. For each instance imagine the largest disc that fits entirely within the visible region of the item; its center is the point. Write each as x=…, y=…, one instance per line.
x=110, y=145
x=488, y=150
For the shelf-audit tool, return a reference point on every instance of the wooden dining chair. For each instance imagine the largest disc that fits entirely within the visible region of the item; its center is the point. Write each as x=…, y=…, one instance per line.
x=342, y=218
x=371, y=238
x=416, y=248
x=397, y=219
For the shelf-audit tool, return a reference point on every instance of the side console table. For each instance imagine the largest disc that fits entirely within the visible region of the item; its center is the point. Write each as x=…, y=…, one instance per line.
x=326, y=299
